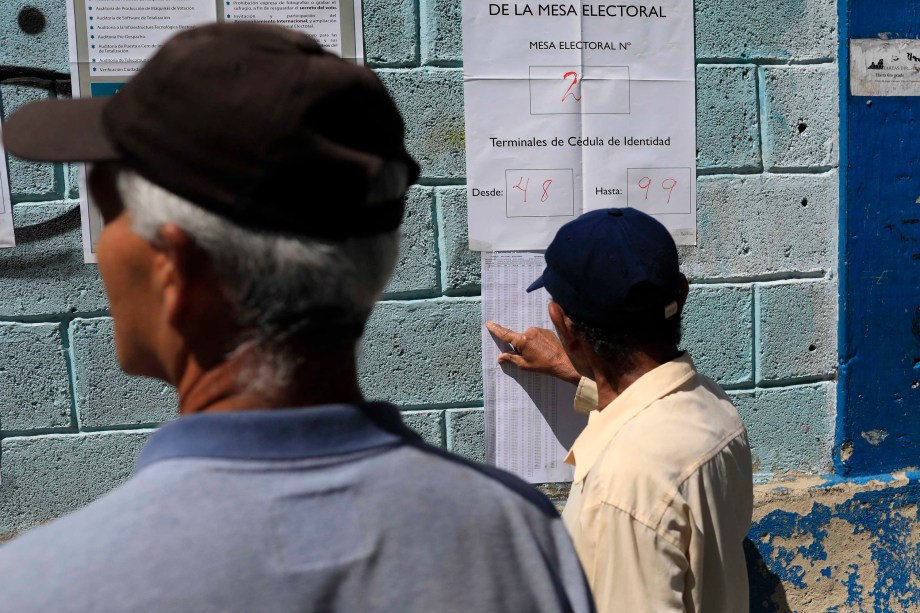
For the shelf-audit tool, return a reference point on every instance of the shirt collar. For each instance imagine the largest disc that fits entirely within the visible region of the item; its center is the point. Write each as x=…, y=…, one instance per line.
x=603, y=425
x=278, y=434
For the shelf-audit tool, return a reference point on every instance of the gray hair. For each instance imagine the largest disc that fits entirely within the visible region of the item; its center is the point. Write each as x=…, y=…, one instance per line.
x=283, y=288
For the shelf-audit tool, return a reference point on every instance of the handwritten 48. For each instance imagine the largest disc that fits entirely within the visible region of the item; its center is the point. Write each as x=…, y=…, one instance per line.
x=523, y=186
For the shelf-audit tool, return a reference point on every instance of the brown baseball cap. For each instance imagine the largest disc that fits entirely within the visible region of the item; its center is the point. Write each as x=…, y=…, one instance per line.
x=252, y=122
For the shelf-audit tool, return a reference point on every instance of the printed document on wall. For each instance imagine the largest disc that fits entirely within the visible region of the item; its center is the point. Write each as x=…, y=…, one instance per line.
x=530, y=419
x=111, y=39
x=572, y=107
x=7, y=239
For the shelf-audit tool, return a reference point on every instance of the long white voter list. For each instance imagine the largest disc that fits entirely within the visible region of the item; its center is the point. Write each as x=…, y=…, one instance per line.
x=530, y=419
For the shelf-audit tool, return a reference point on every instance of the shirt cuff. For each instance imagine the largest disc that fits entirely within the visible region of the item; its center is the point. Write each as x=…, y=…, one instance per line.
x=586, y=396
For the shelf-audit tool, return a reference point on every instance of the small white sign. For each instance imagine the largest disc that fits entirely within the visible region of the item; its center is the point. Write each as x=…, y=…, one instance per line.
x=884, y=67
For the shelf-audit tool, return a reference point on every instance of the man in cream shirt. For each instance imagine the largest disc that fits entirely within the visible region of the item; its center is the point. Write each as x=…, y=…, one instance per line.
x=662, y=495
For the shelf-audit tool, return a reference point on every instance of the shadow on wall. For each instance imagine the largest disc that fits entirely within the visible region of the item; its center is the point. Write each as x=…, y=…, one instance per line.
x=767, y=594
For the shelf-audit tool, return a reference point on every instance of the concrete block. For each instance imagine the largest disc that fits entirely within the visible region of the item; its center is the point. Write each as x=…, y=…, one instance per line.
x=45, y=477
x=422, y=353
x=462, y=267
x=442, y=32
x=764, y=225
x=429, y=425
x=798, y=330
x=749, y=29
x=29, y=181
x=718, y=332
x=790, y=428
x=34, y=38
x=391, y=32
x=417, y=269
x=466, y=433
x=106, y=396
x=727, y=128
x=801, y=116
x=34, y=390
x=431, y=100
x=45, y=273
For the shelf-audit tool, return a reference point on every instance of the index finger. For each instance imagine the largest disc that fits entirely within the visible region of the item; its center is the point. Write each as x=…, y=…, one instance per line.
x=502, y=333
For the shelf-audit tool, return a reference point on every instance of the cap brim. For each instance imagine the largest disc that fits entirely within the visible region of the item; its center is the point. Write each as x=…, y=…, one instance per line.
x=537, y=284
x=60, y=131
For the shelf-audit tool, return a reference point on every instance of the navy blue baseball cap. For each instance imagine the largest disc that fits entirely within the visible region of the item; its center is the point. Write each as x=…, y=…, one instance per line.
x=612, y=267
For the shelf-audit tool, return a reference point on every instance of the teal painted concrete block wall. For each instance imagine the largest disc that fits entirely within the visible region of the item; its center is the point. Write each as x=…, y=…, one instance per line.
x=761, y=318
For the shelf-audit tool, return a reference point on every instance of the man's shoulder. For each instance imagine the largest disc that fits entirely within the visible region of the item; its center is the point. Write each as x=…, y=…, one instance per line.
x=667, y=443
x=372, y=508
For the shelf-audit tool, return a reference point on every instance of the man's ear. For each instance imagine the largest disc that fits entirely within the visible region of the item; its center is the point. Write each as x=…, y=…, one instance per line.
x=175, y=272
x=570, y=340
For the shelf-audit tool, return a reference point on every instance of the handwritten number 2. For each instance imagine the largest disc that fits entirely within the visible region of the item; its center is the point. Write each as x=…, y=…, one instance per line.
x=569, y=91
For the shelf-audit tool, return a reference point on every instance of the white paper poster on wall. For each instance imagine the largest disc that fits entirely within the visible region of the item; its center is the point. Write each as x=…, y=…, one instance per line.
x=111, y=39
x=530, y=419
x=7, y=239
x=572, y=107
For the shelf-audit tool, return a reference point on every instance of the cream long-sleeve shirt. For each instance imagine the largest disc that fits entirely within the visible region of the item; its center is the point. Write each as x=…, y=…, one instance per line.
x=662, y=496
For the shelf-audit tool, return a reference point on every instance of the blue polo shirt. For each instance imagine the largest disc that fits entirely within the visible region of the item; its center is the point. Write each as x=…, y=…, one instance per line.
x=331, y=508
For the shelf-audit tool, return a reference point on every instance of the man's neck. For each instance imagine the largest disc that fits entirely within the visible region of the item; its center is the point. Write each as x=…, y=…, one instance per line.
x=612, y=380
x=330, y=378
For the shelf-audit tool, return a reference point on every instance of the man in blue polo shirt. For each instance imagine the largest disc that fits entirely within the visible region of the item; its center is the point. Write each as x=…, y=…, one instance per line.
x=252, y=187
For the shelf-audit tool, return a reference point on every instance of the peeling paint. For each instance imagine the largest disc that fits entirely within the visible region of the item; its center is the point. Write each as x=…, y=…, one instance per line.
x=837, y=545
x=874, y=437
x=846, y=451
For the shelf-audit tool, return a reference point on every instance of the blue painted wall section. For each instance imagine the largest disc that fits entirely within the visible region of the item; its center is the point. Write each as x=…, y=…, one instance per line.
x=837, y=546
x=880, y=344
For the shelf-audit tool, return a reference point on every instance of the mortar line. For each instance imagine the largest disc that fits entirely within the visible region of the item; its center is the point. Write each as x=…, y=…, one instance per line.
x=426, y=68
x=70, y=364
x=53, y=318
x=62, y=433
x=801, y=170
x=445, y=431
x=761, y=113
x=787, y=383
x=440, y=239
x=763, y=61
x=441, y=406
x=777, y=278
x=756, y=341
x=6, y=434
x=418, y=32
x=441, y=181
x=436, y=300
x=713, y=171
x=146, y=427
